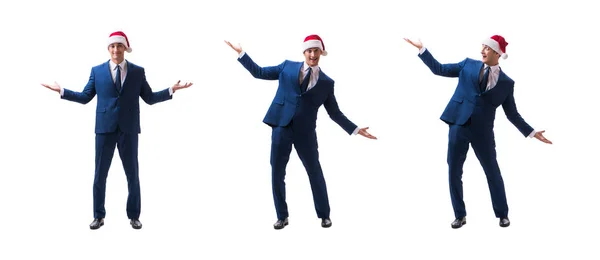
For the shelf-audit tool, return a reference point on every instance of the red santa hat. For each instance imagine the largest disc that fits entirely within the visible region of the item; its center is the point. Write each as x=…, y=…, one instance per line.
x=314, y=41
x=119, y=37
x=498, y=44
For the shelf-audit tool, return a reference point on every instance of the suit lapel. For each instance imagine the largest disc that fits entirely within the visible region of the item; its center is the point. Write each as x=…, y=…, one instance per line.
x=107, y=70
x=476, y=75
x=296, y=76
x=501, y=76
x=321, y=75
x=499, y=85
x=501, y=80
x=130, y=72
x=108, y=76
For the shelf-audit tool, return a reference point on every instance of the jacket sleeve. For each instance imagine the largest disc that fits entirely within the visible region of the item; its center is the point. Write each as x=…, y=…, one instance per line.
x=84, y=97
x=267, y=73
x=336, y=114
x=510, y=109
x=151, y=97
x=445, y=70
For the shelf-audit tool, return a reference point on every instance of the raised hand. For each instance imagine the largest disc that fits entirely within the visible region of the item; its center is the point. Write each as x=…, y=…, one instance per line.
x=363, y=132
x=237, y=48
x=417, y=44
x=54, y=87
x=178, y=87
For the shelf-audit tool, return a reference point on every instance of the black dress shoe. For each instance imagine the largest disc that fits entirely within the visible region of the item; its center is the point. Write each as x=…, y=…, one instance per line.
x=459, y=222
x=504, y=222
x=325, y=222
x=135, y=223
x=97, y=223
x=281, y=223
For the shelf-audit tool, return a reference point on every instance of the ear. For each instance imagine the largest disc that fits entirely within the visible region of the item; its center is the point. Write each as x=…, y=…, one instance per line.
x=495, y=53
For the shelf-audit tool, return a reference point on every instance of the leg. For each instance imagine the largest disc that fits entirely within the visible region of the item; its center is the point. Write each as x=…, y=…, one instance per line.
x=128, y=151
x=105, y=149
x=281, y=147
x=484, y=147
x=458, y=146
x=306, y=146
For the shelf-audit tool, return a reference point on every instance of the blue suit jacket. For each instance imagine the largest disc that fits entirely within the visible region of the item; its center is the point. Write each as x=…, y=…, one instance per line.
x=289, y=103
x=468, y=101
x=115, y=109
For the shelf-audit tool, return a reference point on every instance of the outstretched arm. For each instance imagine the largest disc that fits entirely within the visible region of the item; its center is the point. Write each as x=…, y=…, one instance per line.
x=337, y=116
x=84, y=97
x=152, y=98
x=267, y=73
x=510, y=109
x=445, y=70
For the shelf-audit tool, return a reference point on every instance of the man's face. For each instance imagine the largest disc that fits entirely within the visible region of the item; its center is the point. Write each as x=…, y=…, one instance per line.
x=489, y=56
x=312, y=56
x=117, y=51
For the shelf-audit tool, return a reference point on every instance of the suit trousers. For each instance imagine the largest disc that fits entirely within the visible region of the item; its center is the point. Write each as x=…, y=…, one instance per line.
x=305, y=143
x=481, y=139
x=128, y=151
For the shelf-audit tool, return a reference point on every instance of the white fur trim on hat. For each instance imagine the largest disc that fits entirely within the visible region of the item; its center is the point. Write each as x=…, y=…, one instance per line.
x=495, y=46
x=314, y=44
x=119, y=39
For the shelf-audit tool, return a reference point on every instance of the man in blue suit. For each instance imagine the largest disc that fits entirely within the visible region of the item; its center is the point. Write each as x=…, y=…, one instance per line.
x=303, y=88
x=470, y=113
x=118, y=84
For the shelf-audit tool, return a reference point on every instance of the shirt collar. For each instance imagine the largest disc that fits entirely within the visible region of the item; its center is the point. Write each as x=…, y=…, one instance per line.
x=494, y=68
x=305, y=67
x=113, y=66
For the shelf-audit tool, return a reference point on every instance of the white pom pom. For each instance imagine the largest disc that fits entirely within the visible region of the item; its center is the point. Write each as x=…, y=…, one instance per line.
x=504, y=55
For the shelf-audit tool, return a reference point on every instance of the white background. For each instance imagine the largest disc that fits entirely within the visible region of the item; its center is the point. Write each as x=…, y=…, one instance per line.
x=204, y=156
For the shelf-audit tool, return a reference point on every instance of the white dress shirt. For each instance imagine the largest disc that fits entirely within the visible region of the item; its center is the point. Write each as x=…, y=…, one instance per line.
x=113, y=71
x=492, y=76
x=314, y=77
